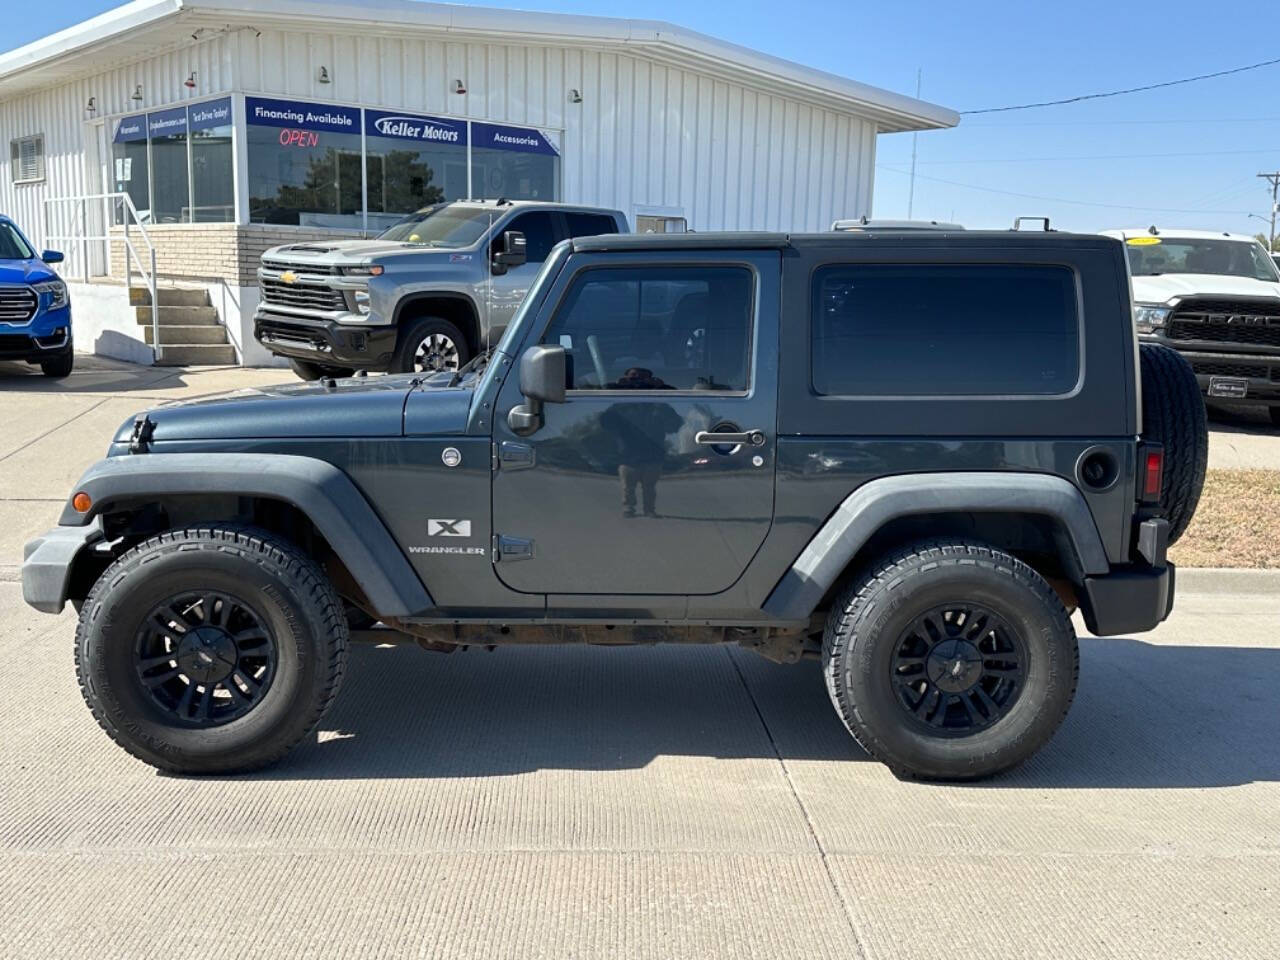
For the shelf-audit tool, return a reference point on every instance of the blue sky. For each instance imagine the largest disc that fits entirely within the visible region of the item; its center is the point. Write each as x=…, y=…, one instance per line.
x=1185, y=156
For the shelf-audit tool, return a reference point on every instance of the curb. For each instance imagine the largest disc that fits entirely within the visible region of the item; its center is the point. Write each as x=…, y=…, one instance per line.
x=1228, y=580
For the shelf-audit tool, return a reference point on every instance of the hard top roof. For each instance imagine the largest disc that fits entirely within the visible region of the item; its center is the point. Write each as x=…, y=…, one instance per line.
x=746, y=240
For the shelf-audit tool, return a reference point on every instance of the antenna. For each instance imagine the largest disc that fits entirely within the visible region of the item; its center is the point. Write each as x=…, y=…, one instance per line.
x=488, y=287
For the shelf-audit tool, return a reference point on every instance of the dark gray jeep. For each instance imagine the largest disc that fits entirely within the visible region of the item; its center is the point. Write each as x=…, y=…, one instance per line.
x=910, y=455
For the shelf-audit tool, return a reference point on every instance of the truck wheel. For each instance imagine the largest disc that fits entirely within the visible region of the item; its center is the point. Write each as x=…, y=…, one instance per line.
x=314, y=371
x=950, y=660
x=430, y=345
x=1173, y=415
x=1275, y=416
x=211, y=649
x=60, y=366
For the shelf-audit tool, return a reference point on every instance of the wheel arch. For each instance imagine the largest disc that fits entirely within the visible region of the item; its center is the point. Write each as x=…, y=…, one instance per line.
x=1042, y=518
x=458, y=308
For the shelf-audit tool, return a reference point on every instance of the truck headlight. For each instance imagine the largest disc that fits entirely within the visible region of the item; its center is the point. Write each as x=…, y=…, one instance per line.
x=361, y=298
x=54, y=293
x=363, y=270
x=1150, y=317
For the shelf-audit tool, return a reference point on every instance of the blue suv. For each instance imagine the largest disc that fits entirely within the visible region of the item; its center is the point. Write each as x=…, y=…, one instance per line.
x=35, y=308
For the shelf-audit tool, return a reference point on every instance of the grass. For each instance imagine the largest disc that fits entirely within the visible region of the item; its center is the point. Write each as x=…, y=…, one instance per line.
x=1237, y=523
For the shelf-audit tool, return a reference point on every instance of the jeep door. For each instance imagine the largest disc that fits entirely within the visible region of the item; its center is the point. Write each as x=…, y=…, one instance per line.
x=624, y=489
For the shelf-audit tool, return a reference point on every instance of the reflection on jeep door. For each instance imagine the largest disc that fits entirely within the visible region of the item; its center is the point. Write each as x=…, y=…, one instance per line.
x=622, y=489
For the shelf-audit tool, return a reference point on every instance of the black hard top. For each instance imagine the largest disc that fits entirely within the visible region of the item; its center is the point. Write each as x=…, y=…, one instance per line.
x=746, y=240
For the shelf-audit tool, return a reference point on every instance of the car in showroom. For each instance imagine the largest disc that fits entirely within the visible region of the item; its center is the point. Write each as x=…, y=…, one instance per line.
x=1215, y=298
x=35, y=308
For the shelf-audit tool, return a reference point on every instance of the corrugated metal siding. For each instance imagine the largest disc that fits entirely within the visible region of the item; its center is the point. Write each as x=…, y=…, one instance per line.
x=646, y=134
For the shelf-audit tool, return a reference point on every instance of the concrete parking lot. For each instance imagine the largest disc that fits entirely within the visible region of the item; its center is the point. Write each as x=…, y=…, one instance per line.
x=649, y=802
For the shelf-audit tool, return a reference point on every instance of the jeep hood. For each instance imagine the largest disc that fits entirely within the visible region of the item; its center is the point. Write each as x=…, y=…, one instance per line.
x=1166, y=286
x=351, y=408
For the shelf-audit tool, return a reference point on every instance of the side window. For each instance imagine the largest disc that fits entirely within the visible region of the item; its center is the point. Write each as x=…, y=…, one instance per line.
x=590, y=224
x=944, y=330
x=540, y=233
x=657, y=328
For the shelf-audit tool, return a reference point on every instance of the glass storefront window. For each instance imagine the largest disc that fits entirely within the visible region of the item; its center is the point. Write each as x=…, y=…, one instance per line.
x=130, y=172
x=518, y=163
x=304, y=164
x=412, y=162
x=212, y=162
x=170, y=181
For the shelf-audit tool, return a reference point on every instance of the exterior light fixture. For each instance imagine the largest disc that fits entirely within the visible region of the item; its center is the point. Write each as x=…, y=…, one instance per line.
x=459, y=87
x=91, y=107
x=575, y=96
x=190, y=82
x=323, y=75
x=137, y=93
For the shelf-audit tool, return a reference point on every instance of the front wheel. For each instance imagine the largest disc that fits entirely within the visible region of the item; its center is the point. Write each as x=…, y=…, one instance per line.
x=211, y=649
x=950, y=660
x=59, y=366
x=430, y=345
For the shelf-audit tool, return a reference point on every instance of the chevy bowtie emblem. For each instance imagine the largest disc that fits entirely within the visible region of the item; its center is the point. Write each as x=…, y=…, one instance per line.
x=289, y=277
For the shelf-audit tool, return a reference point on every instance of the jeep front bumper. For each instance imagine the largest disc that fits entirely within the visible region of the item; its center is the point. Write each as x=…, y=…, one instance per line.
x=47, y=562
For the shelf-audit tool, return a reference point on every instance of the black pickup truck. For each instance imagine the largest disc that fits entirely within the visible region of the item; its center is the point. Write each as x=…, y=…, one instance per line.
x=910, y=455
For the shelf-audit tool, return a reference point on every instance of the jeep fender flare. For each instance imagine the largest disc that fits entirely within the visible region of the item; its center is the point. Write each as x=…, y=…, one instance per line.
x=326, y=495
x=877, y=502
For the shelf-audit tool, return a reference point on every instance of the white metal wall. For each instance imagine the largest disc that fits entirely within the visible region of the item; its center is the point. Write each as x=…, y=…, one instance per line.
x=645, y=135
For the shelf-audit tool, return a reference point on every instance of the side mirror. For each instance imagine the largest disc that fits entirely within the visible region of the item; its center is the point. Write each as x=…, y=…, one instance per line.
x=542, y=379
x=52, y=256
x=512, y=253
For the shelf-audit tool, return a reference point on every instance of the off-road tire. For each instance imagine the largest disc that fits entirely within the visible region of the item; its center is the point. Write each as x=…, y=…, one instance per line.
x=868, y=619
x=59, y=366
x=1173, y=415
x=418, y=330
x=297, y=602
x=314, y=371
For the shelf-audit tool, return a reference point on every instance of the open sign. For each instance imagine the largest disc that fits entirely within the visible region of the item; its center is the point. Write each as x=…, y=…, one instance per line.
x=290, y=137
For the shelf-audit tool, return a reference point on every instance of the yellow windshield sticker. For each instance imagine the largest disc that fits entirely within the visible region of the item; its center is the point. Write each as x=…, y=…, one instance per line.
x=1142, y=241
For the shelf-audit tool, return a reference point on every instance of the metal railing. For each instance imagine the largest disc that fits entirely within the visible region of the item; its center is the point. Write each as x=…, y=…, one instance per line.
x=81, y=233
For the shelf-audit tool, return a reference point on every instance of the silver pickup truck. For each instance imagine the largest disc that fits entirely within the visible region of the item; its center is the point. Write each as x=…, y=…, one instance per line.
x=426, y=295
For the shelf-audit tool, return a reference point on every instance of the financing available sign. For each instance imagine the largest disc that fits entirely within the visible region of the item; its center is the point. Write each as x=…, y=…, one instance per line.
x=407, y=126
x=299, y=115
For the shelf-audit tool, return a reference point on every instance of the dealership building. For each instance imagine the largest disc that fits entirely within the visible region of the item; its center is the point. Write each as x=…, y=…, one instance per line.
x=195, y=134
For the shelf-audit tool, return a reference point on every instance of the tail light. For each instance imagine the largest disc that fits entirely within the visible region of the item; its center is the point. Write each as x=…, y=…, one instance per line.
x=1152, y=472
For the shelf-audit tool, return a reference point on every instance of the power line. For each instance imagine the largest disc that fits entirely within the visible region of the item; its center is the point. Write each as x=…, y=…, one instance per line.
x=1107, y=156
x=1119, y=122
x=1078, y=203
x=1119, y=93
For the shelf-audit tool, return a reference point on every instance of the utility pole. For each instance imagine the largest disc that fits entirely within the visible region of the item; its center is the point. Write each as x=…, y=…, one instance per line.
x=1274, y=180
x=911, y=191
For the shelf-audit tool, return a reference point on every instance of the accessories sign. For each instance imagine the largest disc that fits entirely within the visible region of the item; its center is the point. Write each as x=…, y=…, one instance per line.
x=496, y=136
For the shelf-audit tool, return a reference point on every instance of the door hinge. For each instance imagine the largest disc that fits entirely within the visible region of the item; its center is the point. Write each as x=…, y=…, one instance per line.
x=511, y=549
x=493, y=457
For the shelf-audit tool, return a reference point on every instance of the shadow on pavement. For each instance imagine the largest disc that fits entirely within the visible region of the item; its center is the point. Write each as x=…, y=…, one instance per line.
x=1146, y=715
x=90, y=375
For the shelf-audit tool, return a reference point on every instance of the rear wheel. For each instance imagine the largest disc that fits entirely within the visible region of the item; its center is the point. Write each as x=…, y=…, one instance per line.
x=950, y=660
x=430, y=345
x=314, y=371
x=1173, y=415
x=211, y=650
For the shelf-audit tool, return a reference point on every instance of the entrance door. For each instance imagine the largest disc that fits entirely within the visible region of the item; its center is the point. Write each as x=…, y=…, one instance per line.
x=625, y=489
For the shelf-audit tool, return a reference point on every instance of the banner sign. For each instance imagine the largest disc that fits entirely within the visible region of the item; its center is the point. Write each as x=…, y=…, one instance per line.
x=214, y=113
x=167, y=123
x=495, y=136
x=301, y=116
x=131, y=128
x=407, y=126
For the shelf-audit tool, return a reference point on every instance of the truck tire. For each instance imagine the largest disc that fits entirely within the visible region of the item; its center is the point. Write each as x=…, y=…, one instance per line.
x=211, y=649
x=59, y=366
x=430, y=345
x=950, y=660
x=314, y=371
x=1173, y=415
x=1275, y=416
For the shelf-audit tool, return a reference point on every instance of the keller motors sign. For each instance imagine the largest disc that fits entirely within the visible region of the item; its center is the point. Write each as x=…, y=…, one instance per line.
x=407, y=126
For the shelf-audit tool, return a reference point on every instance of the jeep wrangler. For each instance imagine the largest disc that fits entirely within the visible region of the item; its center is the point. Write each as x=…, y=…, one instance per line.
x=909, y=455
x=426, y=296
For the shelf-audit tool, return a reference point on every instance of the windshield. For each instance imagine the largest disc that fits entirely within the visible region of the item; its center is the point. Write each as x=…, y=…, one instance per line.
x=441, y=225
x=1152, y=256
x=12, y=246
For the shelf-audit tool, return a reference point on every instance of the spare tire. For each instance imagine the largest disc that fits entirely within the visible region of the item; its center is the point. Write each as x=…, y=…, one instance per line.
x=1173, y=416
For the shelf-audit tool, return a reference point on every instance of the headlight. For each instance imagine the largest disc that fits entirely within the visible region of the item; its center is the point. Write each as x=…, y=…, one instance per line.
x=361, y=298
x=54, y=293
x=363, y=270
x=1150, y=317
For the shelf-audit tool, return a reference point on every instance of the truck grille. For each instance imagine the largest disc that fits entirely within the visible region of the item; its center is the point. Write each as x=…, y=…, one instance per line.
x=1248, y=322
x=306, y=296
x=17, y=304
x=1211, y=368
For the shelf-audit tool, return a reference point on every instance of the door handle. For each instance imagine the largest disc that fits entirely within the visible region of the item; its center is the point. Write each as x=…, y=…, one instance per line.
x=714, y=439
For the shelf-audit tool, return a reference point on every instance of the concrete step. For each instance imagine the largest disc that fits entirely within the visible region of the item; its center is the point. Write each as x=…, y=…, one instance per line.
x=170, y=296
x=196, y=354
x=187, y=335
x=183, y=316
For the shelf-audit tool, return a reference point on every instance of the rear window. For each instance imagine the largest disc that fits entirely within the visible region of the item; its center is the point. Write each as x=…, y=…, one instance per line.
x=944, y=330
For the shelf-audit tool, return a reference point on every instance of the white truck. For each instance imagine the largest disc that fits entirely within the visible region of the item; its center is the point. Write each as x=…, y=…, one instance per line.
x=1215, y=298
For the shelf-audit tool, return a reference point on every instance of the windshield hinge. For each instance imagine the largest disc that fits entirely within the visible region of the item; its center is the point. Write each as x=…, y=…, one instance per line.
x=143, y=427
x=493, y=457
